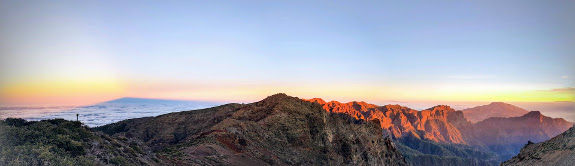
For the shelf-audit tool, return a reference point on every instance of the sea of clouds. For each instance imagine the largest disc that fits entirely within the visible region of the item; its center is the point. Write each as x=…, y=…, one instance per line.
x=103, y=113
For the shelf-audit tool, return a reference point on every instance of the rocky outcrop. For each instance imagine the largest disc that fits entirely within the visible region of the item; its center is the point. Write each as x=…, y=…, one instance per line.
x=427, y=137
x=559, y=151
x=431, y=124
x=440, y=130
x=495, y=109
x=279, y=130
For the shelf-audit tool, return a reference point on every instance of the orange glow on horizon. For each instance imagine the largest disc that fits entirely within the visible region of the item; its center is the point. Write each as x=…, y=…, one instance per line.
x=60, y=92
x=93, y=91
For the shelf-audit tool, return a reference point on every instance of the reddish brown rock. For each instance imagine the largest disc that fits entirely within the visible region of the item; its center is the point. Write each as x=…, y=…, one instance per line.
x=279, y=130
x=431, y=124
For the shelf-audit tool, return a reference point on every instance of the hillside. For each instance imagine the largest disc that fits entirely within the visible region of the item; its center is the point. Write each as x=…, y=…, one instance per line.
x=559, y=151
x=280, y=130
x=495, y=109
x=62, y=142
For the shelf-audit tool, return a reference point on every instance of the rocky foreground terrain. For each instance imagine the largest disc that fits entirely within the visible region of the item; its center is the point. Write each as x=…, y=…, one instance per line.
x=282, y=130
x=279, y=130
x=558, y=151
x=62, y=142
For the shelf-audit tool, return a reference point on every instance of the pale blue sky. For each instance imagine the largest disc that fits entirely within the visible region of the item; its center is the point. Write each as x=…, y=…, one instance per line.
x=522, y=45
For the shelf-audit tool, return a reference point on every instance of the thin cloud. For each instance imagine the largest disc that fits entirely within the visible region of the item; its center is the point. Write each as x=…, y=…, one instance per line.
x=569, y=89
x=469, y=77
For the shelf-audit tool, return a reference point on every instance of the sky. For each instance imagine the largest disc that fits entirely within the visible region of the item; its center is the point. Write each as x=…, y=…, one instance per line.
x=79, y=52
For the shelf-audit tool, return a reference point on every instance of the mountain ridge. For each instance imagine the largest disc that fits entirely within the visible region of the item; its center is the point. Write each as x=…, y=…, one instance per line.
x=279, y=129
x=494, y=109
x=442, y=124
x=400, y=120
x=285, y=130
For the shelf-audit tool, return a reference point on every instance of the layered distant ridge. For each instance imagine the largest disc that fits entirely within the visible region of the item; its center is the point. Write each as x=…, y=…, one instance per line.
x=495, y=109
x=506, y=136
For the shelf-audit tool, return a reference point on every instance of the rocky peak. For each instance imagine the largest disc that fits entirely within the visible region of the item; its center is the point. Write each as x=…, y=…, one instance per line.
x=395, y=108
x=316, y=100
x=362, y=105
x=440, y=108
x=533, y=114
x=278, y=96
x=495, y=109
x=498, y=103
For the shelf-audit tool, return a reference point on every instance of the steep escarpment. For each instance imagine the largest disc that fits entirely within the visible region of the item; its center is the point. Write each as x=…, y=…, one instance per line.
x=559, y=151
x=495, y=109
x=427, y=137
x=440, y=132
x=279, y=130
x=430, y=124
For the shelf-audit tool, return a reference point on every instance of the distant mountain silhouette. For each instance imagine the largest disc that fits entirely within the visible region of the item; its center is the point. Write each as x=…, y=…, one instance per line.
x=495, y=109
x=149, y=100
x=506, y=136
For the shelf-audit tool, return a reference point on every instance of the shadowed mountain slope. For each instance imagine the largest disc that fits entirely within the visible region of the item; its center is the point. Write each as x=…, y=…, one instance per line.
x=495, y=109
x=279, y=130
x=559, y=151
x=506, y=136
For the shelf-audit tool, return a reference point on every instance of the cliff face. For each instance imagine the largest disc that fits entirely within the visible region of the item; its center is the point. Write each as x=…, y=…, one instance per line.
x=441, y=131
x=277, y=130
x=559, y=151
x=495, y=109
x=431, y=124
x=427, y=137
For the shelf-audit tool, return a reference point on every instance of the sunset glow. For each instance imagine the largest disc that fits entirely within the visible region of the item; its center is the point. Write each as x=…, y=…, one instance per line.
x=82, y=53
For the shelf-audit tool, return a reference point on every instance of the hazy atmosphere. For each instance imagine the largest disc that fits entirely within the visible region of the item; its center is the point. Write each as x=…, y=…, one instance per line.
x=69, y=52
